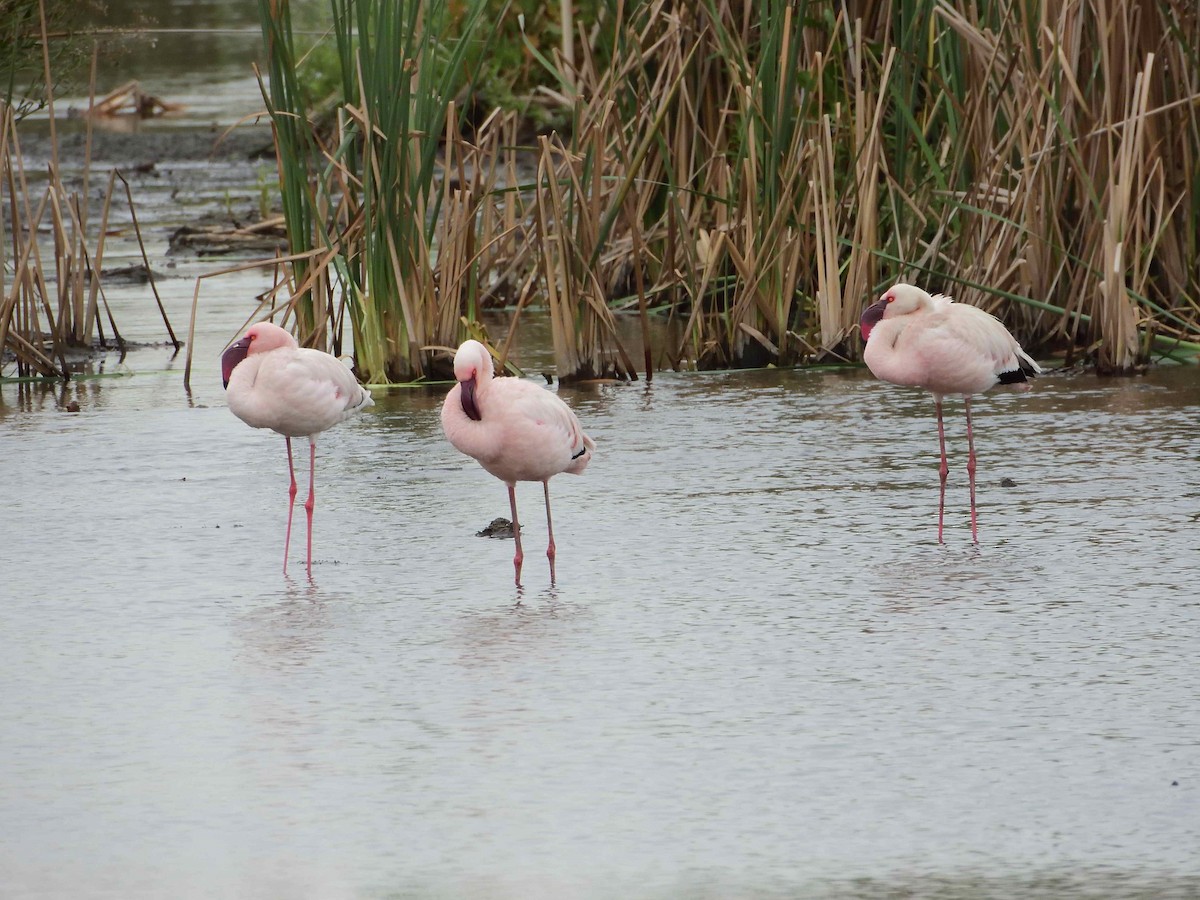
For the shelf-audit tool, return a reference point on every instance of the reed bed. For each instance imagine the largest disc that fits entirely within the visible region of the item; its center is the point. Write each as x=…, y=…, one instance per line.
x=382, y=207
x=755, y=171
x=53, y=308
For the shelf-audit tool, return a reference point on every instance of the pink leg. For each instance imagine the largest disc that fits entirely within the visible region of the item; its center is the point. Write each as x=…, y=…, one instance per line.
x=287, y=539
x=550, y=528
x=943, y=470
x=971, y=469
x=311, y=502
x=520, y=557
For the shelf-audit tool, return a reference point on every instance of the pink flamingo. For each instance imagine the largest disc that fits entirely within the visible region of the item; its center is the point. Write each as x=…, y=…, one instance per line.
x=915, y=339
x=273, y=383
x=516, y=430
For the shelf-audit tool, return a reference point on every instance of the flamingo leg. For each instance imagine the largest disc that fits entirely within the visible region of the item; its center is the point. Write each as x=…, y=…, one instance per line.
x=520, y=556
x=287, y=538
x=311, y=503
x=549, y=528
x=971, y=469
x=943, y=469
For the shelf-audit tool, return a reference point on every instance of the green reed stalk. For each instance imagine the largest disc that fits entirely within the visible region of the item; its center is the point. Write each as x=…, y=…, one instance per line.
x=295, y=149
x=369, y=197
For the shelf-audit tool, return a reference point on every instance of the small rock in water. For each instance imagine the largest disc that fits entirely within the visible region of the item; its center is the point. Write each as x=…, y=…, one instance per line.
x=73, y=406
x=497, y=528
x=1007, y=482
x=135, y=274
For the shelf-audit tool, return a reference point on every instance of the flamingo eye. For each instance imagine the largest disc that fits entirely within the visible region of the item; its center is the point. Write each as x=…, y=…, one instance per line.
x=889, y=297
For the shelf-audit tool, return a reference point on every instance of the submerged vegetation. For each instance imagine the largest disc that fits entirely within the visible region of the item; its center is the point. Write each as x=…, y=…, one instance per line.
x=755, y=172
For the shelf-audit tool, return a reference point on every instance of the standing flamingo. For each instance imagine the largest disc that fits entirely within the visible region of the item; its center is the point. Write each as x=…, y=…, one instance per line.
x=516, y=430
x=273, y=383
x=928, y=341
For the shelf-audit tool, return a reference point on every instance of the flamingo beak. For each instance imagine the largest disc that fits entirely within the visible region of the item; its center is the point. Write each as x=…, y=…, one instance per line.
x=231, y=357
x=870, y=317
x=468, y=399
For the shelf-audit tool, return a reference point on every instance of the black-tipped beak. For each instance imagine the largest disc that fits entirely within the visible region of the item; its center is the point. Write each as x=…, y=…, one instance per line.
x=468, y=399
x=231, y=357
x=871, y=316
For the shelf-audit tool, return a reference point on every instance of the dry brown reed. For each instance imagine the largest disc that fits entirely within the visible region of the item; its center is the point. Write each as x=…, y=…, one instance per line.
x=52, y=299
x=1083, y=140
x=758, y=171
x=1040, y=155
x=53, y=304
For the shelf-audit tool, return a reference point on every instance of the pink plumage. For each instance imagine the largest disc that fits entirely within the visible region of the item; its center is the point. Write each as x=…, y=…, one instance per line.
x=516, y=430
x=922, y=340
x=271, y=382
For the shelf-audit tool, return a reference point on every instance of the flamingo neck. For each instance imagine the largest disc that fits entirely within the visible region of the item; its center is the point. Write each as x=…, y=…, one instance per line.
x=467, y=398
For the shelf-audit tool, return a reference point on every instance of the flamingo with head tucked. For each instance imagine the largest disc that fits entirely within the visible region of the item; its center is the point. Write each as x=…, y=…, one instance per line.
x=516, y=430
x=922, y=340
x=271, y=382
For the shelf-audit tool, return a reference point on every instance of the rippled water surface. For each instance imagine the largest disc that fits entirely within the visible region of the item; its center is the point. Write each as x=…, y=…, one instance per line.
x=758, y=673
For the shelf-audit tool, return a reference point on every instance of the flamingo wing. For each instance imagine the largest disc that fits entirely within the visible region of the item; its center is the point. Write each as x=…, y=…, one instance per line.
x=991, y=340
x=305, y=392
x=547, y=412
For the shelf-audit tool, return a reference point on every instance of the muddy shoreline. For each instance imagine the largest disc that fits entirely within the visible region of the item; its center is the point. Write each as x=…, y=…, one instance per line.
x=127, y=150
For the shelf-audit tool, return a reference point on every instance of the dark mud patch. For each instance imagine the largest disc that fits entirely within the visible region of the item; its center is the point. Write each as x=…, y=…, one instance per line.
x=204, y=191
x=144, y=150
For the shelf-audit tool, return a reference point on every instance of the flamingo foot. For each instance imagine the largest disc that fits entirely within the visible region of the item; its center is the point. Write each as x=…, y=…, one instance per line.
x=550, y=549
x=971, y=471
x=311, y=503
x=519, y=558
x=287, y=537
x=943, y=471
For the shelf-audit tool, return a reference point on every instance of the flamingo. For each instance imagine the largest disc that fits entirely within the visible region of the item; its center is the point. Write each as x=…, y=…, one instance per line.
x=271, y=382
x=516, y=430
x=922, y=340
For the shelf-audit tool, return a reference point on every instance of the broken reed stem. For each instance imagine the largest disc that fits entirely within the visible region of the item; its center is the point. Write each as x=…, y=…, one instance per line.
x=137, y=230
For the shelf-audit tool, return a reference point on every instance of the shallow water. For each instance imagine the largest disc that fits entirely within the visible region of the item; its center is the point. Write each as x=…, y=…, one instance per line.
x=758, y=673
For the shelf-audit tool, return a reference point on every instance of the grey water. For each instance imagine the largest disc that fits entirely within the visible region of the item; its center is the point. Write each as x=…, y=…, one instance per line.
x=758, y=674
